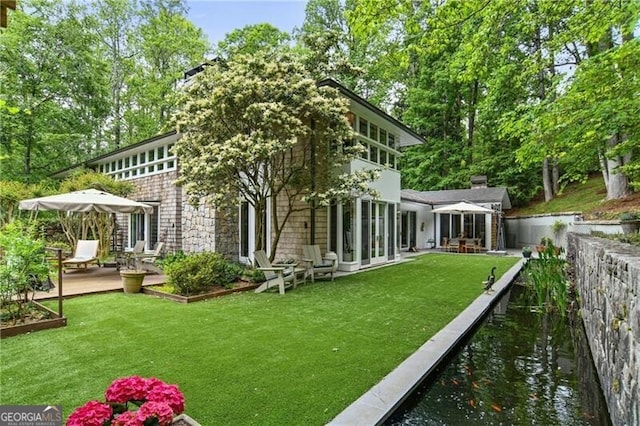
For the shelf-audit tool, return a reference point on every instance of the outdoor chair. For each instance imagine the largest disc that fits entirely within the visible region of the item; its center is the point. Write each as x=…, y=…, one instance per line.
x=316, y=264
x=86, y=252
x=276, y=275
x=451, y=244
x=126, y=258
x=148, y=259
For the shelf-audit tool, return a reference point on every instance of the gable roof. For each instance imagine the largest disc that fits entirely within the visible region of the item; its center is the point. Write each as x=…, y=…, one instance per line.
x=451, y=196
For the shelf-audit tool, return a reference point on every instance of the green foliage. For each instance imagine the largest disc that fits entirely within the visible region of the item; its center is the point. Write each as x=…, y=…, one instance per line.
x=252, y=39
x=547, y=276
x=629, y=216
x=50, y=80
x=253, y=275
x=170, y=258
x=195, y=273
x=632, y=238
x=12, y=192
x=22, y=259
x=81, y=78
x=86, y=179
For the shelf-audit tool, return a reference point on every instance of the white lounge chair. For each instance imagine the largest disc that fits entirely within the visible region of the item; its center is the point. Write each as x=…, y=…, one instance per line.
x=276, y=275
x=86, y=252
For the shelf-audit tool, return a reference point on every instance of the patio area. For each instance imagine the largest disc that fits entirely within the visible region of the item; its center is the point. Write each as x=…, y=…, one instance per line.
x=92, y=280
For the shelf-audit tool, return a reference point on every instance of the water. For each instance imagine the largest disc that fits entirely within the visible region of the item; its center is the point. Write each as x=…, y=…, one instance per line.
x=519, y=368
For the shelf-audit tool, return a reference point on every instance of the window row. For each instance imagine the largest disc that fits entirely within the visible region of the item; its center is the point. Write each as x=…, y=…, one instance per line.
x=378, y=155
x=372, y=131
x=152, y=161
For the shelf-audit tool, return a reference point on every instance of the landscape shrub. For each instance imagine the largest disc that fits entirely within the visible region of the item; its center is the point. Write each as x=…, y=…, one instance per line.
x=22, y=262
x=547, y=276
x=195, y=273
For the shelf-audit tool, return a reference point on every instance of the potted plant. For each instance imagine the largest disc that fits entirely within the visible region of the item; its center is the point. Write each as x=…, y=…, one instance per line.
x=630, y=222
x=135, y=400
x=526, y=252
x=133, y=277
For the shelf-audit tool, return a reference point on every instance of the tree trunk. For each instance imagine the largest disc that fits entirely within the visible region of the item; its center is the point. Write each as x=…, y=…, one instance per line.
x=555, y=177
x=618, y=184
x=546, y=181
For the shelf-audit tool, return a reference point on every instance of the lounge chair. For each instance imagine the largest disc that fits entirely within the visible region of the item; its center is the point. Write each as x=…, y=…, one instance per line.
x=276, y=275
x=86, y=252
x=316, y=264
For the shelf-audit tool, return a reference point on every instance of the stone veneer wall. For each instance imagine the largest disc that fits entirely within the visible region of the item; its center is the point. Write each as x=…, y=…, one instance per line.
x=207, y=229
x=607, y=277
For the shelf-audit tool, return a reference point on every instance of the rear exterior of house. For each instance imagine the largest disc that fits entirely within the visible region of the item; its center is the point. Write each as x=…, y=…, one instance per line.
x=362, y=232
x=420, y=228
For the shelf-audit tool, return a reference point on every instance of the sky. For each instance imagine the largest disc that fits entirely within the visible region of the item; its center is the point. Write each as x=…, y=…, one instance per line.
x=219, y=17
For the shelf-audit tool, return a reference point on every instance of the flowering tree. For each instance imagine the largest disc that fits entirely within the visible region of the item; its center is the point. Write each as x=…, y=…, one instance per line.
x=258, y=128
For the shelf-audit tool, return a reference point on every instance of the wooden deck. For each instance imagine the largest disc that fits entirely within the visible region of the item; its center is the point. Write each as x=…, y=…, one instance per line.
x=94, y=280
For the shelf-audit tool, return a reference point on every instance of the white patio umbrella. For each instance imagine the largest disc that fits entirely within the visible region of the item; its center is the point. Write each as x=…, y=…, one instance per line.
x=86, y=200
x=462, y=208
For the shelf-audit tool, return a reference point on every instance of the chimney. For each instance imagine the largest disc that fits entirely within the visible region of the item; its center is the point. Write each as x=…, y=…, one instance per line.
x=478, y=182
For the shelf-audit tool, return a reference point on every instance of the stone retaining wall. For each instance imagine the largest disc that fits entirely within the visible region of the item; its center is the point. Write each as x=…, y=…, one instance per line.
x=607, y=277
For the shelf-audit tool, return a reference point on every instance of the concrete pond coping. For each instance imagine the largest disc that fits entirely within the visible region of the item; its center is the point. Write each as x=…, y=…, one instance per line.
x=380, y=402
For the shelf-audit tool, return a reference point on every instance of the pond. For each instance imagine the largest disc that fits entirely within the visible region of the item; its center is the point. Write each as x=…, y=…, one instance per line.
x=519, y=368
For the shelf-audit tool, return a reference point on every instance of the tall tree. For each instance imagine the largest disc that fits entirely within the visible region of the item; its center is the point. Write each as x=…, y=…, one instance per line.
x=166, y=44
x=253, y=128
x=252, y=39
x=116, y=20
x=51, y=90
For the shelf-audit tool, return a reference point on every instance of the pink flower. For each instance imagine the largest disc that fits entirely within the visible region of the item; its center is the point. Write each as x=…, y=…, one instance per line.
x=158, y=402
x=128, y=418
x=133, y=388
x=170, y=394
x=158, y=410
x=93, y=413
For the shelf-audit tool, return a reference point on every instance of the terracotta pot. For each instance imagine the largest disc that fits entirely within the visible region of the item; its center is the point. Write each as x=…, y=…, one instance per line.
x=132, y=280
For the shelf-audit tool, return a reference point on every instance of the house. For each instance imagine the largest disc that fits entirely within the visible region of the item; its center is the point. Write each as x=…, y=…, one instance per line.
x=362, y=232
x=420, y=228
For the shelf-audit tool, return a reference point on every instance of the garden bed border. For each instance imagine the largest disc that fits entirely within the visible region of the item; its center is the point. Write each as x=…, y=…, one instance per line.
x=15, y=330
x=198, y=297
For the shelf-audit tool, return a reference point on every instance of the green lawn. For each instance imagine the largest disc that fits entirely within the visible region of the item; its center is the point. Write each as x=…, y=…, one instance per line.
x=250, y=358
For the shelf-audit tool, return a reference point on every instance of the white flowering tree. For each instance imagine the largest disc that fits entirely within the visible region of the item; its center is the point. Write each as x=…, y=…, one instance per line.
x=258, y=128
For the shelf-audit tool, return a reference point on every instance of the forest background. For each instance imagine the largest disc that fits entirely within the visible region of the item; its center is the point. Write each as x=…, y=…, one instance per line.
x=531, y=93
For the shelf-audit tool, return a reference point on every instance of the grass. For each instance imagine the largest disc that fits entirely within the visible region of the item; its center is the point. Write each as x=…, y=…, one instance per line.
x=248, y=358
x=585, y=197
x=588, y=198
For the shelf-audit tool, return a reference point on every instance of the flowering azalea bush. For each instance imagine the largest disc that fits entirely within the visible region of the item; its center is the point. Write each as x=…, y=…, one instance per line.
x=157, y=404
